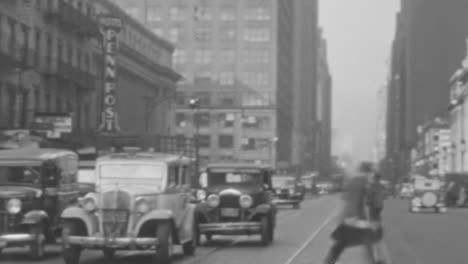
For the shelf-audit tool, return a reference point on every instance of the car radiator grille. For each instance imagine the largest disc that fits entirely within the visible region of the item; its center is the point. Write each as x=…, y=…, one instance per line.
x=115, y=213
x=229, y=201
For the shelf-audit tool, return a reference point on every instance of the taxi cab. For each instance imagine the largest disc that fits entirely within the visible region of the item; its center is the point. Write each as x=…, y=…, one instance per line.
x=36, y=184
x=287, y=191
x=427, y=194
x=141, y=202
x=236, y=199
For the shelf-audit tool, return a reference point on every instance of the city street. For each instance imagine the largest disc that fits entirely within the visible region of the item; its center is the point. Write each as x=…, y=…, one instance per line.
x=425, y=238
x=301, y=237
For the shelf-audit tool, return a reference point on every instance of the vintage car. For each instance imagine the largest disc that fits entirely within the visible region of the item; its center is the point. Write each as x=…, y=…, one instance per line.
x=236, y=200
x=142, y=202
x=288, y=191
x=35, y=186
x=428, y=194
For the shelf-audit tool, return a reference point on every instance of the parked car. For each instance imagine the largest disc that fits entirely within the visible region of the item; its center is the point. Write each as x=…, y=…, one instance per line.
x=237, y=200
x=35, y=186
x=428, y=194
x=142, y=202
x=287, y=191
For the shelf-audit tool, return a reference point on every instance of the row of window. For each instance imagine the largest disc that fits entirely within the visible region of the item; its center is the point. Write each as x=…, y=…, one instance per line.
x=156, y=13
x=228, y=99
x=204, y=34
x=224, y=120
x=227, y=142
x=227, y=56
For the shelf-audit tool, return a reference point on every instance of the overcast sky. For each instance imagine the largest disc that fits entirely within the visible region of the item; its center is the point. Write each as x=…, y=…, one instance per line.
x=359, y=35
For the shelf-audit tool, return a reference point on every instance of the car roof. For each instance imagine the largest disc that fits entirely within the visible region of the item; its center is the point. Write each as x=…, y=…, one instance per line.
x=34, y=153
x=236, y=165
x=144, y=156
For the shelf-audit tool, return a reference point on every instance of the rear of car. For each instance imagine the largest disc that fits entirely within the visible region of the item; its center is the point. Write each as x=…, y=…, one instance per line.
x=287, y=191
x=428, y=195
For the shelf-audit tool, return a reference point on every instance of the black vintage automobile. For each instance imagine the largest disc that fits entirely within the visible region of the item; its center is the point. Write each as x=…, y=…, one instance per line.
x=288, y=191
x=35, y=186
x=236, y=199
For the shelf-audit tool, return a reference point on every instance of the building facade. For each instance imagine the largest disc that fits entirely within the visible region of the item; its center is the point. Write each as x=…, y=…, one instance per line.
x=298, y=40
x=52, y=64
x=223, y=48
x=426, y=51
x=324, y=112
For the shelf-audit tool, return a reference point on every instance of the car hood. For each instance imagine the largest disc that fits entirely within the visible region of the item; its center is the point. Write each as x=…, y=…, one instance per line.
x=235, y=189
x=19, y=191
x=132, y=189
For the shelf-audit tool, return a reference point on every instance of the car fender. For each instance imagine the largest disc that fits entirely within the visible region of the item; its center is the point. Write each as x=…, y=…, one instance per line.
x=154, y=215
x=34, y=217
x=186, y=228
x=78, y=213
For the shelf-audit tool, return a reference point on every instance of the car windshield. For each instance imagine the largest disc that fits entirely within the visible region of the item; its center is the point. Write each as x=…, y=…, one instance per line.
x=234, y=176
x=19, y=175
x=283, y=182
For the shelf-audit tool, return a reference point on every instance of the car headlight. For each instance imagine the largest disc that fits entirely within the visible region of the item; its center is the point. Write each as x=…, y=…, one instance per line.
x=245, y=201
x=89, y=202
x=201, y=194
x=142, y=206
x=213, y=200
x=13, y=206
x=291, y=191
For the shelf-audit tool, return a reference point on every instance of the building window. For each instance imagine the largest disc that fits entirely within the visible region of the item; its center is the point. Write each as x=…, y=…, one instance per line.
x=248, y=144
x=174, y=35
x=257, y=13
x=180, y=56
x=176, y=13
x=202, y=119
x=158, y=31
x=203, y=13
x=203, y=56
x=154, y=13
x=227, y=14
x=226, y=141
x=256, y=122
x=226, y=78
x=133, y=12
x=227, y=34
x=227, y=56
x=203, y=34
x=226, y=120
x=257, y=34
x=204, y=141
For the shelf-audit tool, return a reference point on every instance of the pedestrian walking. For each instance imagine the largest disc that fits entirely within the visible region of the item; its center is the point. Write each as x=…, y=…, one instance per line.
x=354, y=229
x=375, y=197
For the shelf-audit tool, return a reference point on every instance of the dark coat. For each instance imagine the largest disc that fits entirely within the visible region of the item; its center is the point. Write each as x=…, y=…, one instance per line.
x=355, y=198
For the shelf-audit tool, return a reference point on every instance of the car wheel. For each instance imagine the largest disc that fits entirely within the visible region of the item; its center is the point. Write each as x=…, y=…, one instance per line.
x=109, y=253
x=37, y=246
x=189, y=248
x=165, y=239
x=71, y=253
x=265, y=230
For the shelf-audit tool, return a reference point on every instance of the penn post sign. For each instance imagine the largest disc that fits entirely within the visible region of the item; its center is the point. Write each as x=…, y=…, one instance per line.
x=110, y=28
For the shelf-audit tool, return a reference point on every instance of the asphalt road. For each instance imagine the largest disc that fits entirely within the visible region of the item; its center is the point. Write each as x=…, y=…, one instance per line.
x=425, y=238
x=302, y=237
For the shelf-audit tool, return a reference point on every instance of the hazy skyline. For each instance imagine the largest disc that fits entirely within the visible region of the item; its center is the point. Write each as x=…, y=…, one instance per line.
x=359, y=34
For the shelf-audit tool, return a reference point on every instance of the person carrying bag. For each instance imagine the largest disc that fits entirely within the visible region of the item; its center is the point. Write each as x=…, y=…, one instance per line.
x=355, y=228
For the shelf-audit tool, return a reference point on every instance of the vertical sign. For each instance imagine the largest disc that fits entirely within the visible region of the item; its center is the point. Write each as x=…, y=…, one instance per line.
x=110, y=28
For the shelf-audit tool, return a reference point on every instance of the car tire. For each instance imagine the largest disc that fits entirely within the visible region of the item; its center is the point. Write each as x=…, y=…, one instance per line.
x=265, y=225
x=190, y=247
x=70, y=253
x=165, y=239
x=37, y=246
x=109, y=253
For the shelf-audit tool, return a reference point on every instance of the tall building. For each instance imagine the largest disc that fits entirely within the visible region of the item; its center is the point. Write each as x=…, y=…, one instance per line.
x=429, y=41
x=52, y=65
x=298, y=44
x=226, y=51
x=324, y=111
